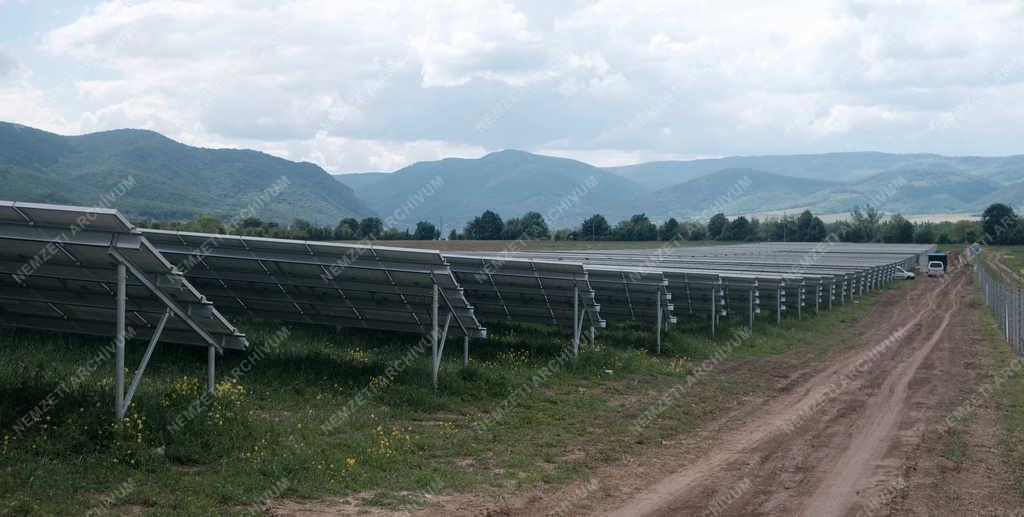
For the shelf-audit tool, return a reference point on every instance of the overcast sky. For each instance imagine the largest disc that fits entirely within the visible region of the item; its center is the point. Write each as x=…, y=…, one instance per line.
x=375, y=85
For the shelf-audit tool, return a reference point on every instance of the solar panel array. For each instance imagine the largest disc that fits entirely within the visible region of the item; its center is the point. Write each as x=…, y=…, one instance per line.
x=73, y=269
x=89, y=271
x=59, y=268
x=709, y=283
x=321, y=283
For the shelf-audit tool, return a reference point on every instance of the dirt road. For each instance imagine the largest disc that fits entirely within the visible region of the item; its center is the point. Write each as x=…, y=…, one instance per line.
x=837, y=444
x=854, y=433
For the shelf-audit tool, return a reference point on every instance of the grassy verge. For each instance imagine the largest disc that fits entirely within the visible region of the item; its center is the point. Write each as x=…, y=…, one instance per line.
x=513, y=418
x=1011, y=394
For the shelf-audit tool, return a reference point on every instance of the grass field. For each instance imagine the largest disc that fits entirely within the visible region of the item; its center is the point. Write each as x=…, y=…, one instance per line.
x=1013, y=258
x=515, y=417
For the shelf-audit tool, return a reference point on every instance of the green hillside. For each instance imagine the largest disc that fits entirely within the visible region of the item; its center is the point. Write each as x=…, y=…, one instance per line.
x=172, y=180
x=508, y=182
x=848, y=167
x=734, y=191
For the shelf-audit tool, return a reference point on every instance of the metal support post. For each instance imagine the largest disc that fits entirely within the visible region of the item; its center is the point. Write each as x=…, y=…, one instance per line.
x=658, y=325
x=750, y=319
x=575, y=321
x=119, y=338
x=465, y=351
x=714, y=312
x=778, y=306
x=800, y=303
x=434, y=335
x=211, y=363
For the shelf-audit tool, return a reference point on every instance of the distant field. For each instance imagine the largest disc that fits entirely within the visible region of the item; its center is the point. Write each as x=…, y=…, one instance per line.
x=536, y=245
x=1012, y=257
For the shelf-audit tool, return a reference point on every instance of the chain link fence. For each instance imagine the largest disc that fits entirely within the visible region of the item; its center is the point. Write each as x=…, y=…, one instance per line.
x=1006, y=303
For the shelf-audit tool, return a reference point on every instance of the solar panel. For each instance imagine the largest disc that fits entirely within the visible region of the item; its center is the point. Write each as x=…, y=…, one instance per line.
x=89, y=271
x=342, y=285
x=633, y=294
x=711, y=282
x=529, y=291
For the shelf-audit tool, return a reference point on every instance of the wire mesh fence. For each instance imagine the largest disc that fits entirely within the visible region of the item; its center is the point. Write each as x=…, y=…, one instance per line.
x=1006, y=302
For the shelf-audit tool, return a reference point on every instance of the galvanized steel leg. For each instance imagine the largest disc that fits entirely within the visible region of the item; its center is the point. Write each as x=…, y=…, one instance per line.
x=714, y=312
x=575, y=321
x=750, y=319
x=434, y=336
x=211, y=363
x=119, y=338
x=593, y=336
x=778, y=307
x=658, y=326
x=465, y=351
x=800, y=303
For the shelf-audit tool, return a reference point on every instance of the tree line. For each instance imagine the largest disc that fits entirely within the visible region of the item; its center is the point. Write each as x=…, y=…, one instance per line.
x=998, y=226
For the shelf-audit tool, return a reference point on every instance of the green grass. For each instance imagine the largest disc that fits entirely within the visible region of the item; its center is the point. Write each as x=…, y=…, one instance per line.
x=263, y=434
x=1011, y=394
x=1013, y=259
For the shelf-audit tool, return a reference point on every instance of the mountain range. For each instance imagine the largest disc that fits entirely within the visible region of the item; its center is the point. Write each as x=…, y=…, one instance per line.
x=177, y=181
x=513, y=182
x=171, y=180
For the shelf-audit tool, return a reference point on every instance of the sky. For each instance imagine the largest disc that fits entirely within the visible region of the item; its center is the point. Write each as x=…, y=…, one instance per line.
x=376, y=85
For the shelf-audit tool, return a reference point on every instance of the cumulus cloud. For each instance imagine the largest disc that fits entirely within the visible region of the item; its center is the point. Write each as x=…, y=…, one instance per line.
x=372, y=85
x=7, y=64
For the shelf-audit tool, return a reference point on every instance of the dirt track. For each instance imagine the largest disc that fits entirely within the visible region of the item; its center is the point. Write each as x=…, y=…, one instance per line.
x=822, y=448
x=855, y=433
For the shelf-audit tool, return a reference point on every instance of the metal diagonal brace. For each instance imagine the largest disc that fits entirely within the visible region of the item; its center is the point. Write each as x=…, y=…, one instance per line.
x=137, y=378
x=168, y=301
x=437, y=338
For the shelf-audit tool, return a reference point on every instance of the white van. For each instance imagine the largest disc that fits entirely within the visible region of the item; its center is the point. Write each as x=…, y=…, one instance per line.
x=936, y=268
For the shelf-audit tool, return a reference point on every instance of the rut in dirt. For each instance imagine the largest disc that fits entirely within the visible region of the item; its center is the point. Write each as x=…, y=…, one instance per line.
x=822, y=448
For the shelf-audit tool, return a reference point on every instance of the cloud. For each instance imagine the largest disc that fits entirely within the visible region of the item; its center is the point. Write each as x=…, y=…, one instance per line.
x=7, y=64
x=365, y=85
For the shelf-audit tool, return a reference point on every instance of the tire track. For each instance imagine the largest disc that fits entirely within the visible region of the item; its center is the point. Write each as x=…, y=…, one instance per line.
x=790, y=483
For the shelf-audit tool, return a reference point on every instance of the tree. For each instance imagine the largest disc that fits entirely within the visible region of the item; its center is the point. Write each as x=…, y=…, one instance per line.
x=925, y=234
x=347, y=229
x=695, y=231
x=965, y=231
x=636, y=228
x=817, y=232
x=487, y=226
x=738, y=230
x=595, y=228
x=803, y=226
x=865, y=225
x=371, y=227
x=997, y=222
x=717, y=225
x=426, y=231
x=670, y=229
x=454, y=235
x=531, y=225
x=898, y=230
x=208, y=224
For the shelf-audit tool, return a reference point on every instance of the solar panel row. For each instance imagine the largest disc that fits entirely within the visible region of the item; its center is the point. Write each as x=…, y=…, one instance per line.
x=73, y=269
x=70, y=269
